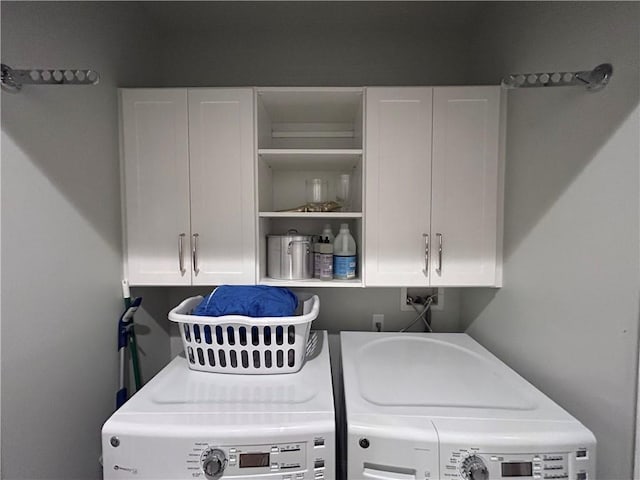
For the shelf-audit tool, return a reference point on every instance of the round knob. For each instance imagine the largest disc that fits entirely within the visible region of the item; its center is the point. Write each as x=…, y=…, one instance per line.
x=214, y=463
x=473, y=468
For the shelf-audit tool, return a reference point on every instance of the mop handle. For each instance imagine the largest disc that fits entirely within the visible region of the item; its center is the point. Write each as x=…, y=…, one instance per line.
x=133, y=347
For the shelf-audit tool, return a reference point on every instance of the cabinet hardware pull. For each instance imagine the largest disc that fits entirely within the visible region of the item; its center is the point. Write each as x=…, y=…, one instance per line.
x=196, y=270
x=439, y=269
x=426, y=254
x=181, y=253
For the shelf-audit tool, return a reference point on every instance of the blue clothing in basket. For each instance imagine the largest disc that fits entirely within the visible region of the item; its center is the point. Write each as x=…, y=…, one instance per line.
x=250, y=301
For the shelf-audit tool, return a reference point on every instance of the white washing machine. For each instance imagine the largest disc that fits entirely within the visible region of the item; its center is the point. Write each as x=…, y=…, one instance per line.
x=440, y=406
x=186, y=424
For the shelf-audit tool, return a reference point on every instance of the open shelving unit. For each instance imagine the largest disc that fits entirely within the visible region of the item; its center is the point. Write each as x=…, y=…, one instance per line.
x=302, y=134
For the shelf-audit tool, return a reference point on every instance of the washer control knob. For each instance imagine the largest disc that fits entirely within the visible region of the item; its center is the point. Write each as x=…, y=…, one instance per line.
x=214, y=461
x=473, y=468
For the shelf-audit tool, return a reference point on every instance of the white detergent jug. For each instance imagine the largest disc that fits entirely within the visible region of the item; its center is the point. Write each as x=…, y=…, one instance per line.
x=344, y=254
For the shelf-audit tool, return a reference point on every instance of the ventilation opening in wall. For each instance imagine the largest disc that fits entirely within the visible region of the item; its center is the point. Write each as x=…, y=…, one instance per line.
x=419, y=296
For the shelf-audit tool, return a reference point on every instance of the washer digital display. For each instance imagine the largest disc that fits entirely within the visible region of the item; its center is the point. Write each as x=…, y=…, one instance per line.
x=253, y=460
x=517, y=469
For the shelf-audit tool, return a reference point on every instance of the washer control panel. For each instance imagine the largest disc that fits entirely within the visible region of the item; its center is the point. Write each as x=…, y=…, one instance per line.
x=472, y=464
x=536, y=466
x=244, y=460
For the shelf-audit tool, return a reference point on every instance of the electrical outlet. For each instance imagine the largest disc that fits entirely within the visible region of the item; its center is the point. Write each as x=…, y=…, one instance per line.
x=421, y=292
x=377, y=322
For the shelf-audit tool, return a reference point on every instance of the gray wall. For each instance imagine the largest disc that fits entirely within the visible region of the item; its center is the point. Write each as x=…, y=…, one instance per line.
x=567, y=317
x=61, y=231
x=315, y=43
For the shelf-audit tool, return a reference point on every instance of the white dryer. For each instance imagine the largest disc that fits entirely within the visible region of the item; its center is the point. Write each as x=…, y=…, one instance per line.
x=440, y=406
x=186, y=424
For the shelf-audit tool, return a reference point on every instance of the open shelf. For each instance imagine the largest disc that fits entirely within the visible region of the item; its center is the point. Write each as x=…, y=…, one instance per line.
x=309, y=225
x=304, y=134
x=328, y=215
x=312, y=282
x=323, y=118
x=311, y=158
x=321, y=152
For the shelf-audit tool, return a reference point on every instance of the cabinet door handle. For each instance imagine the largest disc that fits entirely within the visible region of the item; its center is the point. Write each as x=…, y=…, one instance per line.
x=426, y=254
x=439, y=269
x=181, y=253
x=196, y=270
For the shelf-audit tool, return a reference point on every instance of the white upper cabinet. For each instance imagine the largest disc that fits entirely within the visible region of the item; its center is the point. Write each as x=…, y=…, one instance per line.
x=155, y=166
x=465, y=187
x=210, y=173
x=397, y=185
x=188, y=158
x=433, y=190
x=221, y=145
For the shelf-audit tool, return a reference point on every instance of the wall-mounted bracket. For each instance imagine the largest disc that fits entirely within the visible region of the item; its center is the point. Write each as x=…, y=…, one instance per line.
x=13, y=80
x=593, y=80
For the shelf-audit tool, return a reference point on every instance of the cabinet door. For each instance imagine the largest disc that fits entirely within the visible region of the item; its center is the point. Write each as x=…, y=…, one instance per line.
x=465, y=187
x=155, y=166
x=221, y=142
x=398, y=185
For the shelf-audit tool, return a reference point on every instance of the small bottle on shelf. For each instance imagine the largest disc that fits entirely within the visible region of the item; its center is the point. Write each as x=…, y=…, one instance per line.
x=328, y=233
x=317, y=245
x=344, y=254
x=326, y=260
x=344, y=192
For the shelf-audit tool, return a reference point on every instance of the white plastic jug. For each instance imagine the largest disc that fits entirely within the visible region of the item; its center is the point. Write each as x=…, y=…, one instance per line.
x=344, y=254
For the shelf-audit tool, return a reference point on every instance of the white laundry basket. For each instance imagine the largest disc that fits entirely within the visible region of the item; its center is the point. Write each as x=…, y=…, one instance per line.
x=245, y=345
